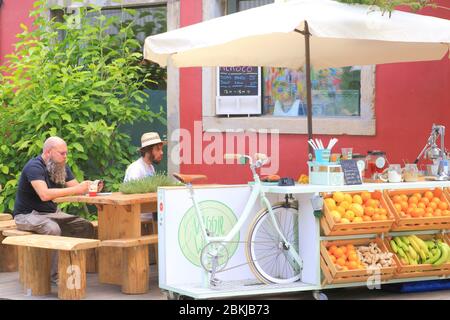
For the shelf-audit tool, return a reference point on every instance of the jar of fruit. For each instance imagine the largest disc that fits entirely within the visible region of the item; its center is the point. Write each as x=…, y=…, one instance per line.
x=376, y=163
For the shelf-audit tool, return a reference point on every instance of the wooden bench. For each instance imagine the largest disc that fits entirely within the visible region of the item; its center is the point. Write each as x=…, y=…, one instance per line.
x=13, y=255
x=5, y=216
x=8, y=254
x=135, y=264
x=10, y=258
x=36, y=255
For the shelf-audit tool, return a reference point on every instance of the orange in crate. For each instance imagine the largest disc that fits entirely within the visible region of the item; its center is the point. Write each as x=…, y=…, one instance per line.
x=362, y=212
x=419, y=209
x=348, y=267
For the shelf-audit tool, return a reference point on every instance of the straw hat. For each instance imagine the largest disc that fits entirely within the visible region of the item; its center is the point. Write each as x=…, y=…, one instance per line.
x=150, y=138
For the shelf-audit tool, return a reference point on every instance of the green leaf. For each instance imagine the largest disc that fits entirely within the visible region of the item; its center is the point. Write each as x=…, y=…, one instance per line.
x=66, y=117
x=5, y=169
x=78, y=146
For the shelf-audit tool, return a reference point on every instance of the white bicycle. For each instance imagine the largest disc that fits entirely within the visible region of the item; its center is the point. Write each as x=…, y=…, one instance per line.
x=272, y=247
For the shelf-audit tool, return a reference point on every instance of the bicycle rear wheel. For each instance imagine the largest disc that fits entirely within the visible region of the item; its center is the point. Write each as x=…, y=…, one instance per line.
x=266, y=253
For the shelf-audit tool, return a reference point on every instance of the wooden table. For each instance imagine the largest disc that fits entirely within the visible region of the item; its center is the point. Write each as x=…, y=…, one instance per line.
x=118, y=218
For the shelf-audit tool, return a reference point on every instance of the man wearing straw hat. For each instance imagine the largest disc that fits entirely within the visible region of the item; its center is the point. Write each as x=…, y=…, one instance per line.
x=151, y=153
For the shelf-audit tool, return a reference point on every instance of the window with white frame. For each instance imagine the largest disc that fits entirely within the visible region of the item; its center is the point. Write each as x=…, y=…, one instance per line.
x=343, y=98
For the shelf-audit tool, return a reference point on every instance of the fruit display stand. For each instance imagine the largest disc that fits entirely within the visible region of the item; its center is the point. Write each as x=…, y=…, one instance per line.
x=420, y=270
x=402, y=224
x=318, y=272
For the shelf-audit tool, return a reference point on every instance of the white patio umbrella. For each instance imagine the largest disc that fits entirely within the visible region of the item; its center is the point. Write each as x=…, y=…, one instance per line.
x=319, y=33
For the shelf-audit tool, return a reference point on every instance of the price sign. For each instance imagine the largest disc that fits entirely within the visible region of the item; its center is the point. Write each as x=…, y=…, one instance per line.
x=351, y=172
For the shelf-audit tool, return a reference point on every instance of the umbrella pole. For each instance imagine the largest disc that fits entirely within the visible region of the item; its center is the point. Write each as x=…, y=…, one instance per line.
x=307, y=35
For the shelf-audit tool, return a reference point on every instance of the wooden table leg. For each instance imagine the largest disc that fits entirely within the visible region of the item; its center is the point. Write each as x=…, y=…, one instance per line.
x=115, y=222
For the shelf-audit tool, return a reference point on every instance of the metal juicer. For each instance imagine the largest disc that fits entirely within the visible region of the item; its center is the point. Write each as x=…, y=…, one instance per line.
x=437, y=155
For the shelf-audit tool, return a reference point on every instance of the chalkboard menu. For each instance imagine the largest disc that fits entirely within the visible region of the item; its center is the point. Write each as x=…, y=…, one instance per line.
x=351, y=172
x=238, y=81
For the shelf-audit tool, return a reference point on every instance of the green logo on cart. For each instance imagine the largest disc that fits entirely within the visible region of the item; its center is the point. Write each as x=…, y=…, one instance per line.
x=219, y=219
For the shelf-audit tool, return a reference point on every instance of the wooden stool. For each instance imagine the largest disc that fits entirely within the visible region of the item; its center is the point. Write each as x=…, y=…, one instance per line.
x=135, y=266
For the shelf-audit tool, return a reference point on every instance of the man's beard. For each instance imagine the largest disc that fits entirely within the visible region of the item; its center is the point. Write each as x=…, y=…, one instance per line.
x=152, y=159
x=57, y=172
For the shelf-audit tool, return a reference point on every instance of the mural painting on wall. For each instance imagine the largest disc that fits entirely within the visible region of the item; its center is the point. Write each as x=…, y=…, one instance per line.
x=335, y=92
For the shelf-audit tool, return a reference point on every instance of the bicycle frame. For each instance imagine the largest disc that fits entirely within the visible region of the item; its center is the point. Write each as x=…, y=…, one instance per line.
x=257, y=191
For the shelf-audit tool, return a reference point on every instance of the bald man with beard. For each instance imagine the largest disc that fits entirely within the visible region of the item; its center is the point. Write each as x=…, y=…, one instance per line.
x=43, y=179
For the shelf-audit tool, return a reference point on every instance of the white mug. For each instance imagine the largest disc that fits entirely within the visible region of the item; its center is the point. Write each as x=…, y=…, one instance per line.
x=394, y=173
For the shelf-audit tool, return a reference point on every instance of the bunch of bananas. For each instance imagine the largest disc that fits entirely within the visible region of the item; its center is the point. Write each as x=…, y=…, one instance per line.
x=303, y=179
x=411, y=250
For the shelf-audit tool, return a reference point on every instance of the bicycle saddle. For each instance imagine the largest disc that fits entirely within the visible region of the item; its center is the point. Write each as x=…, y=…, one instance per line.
x=188, y=178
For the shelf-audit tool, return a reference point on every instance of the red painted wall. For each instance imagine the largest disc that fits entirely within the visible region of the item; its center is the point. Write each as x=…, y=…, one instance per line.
x=410, y=97
x=12, y=13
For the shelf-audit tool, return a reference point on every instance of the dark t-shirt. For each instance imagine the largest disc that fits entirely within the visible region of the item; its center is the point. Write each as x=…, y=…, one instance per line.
x=27, y=199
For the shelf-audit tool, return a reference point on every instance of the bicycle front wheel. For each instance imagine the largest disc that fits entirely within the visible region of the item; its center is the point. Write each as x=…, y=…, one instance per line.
x=266, y=252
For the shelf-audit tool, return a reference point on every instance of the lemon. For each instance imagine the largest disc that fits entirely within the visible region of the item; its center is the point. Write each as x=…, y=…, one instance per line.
x=357, y=209
x=338, y=196
x=348, y=198
x=345, y=205
x=330, y=203
x=357, y=199
x=350, y=215
x=336, y=216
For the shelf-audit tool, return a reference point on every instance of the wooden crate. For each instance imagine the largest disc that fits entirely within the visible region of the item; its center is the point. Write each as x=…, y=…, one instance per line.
x=447, y=194
x=332, y=228
x=420, y=270
x=333, y=275
x=420, y=223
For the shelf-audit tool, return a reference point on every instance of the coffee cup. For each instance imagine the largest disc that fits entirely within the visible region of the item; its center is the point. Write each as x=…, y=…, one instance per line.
x=93, y=188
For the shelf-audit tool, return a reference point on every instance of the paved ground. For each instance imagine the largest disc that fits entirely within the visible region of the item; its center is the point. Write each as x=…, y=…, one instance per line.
x=11, y=289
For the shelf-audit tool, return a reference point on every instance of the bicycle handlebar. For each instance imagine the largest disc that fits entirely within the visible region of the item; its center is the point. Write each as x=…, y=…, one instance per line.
x=260, y=158
x=232, y=156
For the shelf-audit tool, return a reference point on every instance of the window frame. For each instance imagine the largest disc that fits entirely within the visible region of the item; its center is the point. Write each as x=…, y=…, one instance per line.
x=365, y=124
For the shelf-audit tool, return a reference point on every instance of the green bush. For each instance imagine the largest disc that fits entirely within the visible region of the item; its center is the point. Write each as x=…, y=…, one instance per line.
x=74, y=80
